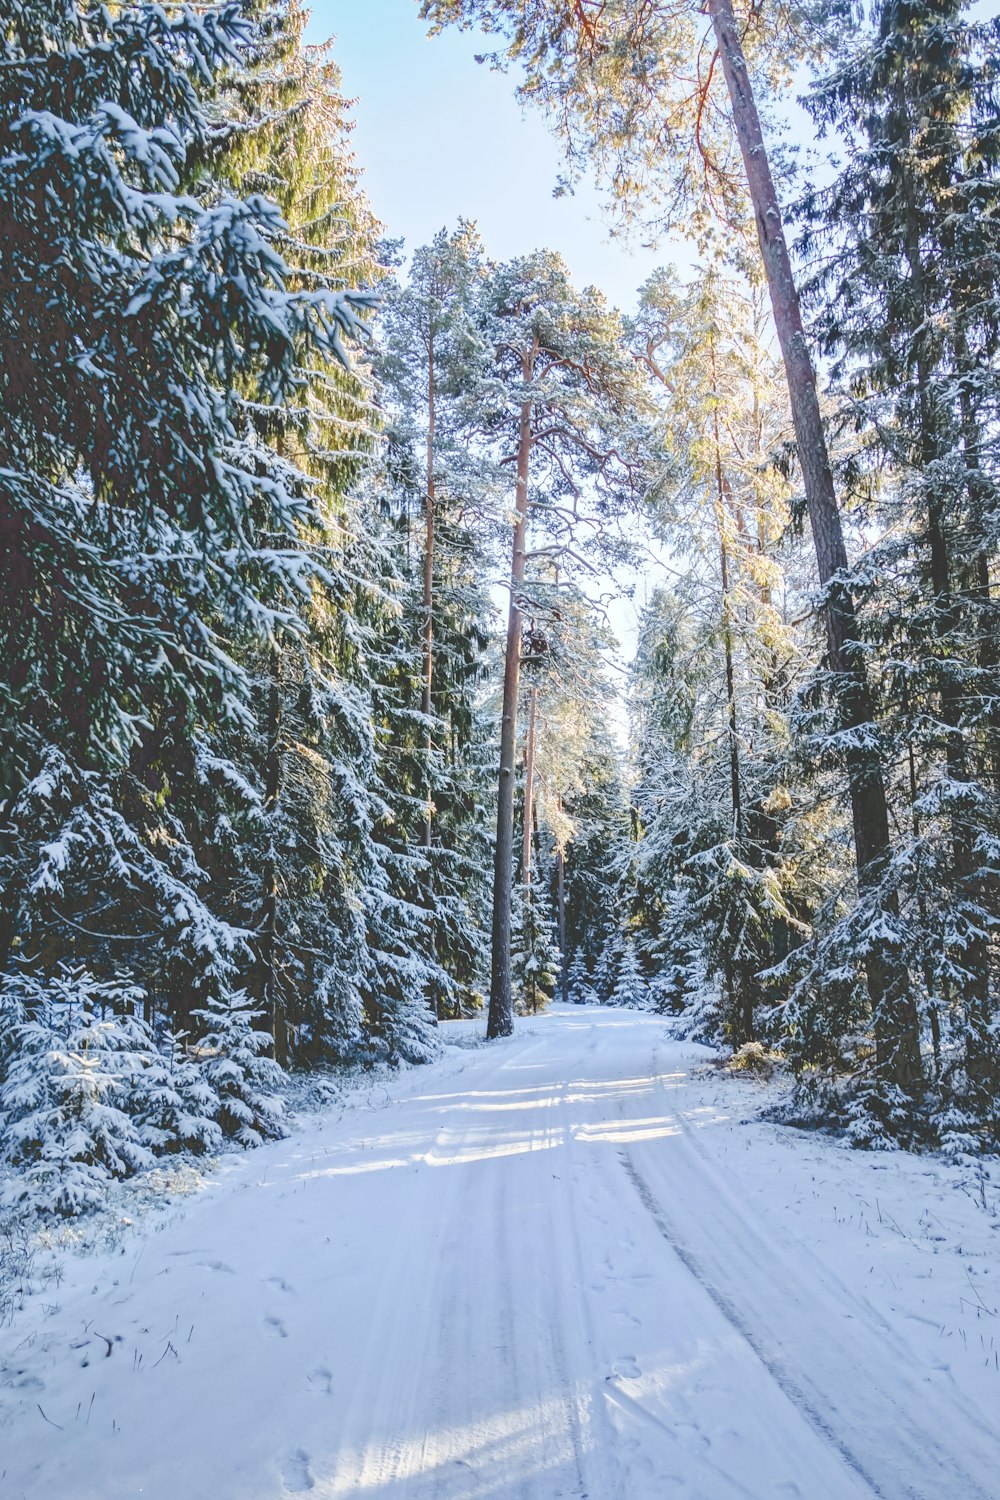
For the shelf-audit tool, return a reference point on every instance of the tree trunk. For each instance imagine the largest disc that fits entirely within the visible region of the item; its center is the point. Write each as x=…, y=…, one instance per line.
x=529, y=788
x=741, y=982
x=501, y=1013
x=428, y=599
x=727, y=618
x=894, y=1012
x=267, y=936
x=561, y=920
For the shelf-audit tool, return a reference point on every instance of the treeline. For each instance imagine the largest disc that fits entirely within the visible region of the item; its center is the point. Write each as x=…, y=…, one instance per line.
x=250, y=747
x=213, y=755
x=275, y=792
x=817, y=788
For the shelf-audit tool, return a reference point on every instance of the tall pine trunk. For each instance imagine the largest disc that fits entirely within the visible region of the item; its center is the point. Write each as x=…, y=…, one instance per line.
x=428, y=595
x=739, y=979
x=267, y=933
x=529, y=788
x=561, y=920
x=894, y=1012
x=501, y=1013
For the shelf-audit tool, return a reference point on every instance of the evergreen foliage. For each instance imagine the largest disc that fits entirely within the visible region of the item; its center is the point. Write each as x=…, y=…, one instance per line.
x=579, y=990
x=259, y=491
x=630, y=989
x=535, y=958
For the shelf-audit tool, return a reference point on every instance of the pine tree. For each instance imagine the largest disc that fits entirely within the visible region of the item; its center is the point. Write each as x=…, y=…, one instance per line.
x=630, y=988
x=430, y=342
x=609, y=961
x=535, y=957
x=579, y=819
x=560, y=404
x=76, y=1056
x=177, y=1108
x=246, y=1083
x=428, y=355
x=579, y=990
x=716, y=662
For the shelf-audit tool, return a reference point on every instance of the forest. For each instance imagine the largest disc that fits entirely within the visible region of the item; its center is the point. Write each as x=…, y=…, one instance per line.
x=313, y=738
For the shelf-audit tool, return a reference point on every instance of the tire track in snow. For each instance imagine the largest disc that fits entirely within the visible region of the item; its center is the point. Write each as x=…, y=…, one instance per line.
x=442, y=1433
x=900, y=1416
x=779, y=1375
x=588, y=1411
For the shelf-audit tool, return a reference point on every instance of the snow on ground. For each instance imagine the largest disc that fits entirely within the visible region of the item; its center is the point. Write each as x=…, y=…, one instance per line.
x=564, y=1265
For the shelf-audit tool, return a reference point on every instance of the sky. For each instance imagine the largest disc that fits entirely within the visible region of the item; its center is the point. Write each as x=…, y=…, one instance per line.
x=439, y=136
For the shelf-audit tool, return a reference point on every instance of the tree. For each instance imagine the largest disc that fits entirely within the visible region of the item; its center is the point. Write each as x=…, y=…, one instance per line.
x=245, y=1082
x=717, y=661
x=630, y=988
x=65, y=1122
x=578, y=987
x=427, y=360
x=576, y=821
x=429, y=347
x=558, y=404
x=616, y=77
x=535, y=957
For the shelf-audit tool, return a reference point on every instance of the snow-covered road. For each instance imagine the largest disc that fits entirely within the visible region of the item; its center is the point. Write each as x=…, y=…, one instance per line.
x=555, y=1266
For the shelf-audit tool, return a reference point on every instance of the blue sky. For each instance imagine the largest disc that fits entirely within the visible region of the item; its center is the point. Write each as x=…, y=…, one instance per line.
x=440, y=136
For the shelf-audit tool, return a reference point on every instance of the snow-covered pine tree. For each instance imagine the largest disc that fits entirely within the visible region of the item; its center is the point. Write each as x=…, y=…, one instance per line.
x=535, y=957
x=75, y=1056
x=246, y=1083
x=560, y=404
x=578, y=809
x=609, y=960
x=630, y=989
x=429, y=353
x=175, y=1104
x=725, y=872
x=436, y=484
x=579, y=990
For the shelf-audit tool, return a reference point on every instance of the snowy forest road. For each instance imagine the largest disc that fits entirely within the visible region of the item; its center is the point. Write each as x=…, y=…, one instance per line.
x=556, y=1266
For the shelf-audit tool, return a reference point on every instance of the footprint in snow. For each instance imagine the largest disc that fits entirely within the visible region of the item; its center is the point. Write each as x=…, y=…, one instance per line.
x=320, y=1381
x=295, y=1472
x=281, y=1284
x=624, y=1369
x=217, y=1265
x=276, y=1328
x=692, y=1435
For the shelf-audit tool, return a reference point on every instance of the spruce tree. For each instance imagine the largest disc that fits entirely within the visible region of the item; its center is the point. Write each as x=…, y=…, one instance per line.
x=578, y=987
x=630, y=988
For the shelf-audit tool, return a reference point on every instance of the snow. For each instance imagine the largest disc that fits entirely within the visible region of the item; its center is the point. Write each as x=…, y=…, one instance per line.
x=567, y=1264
